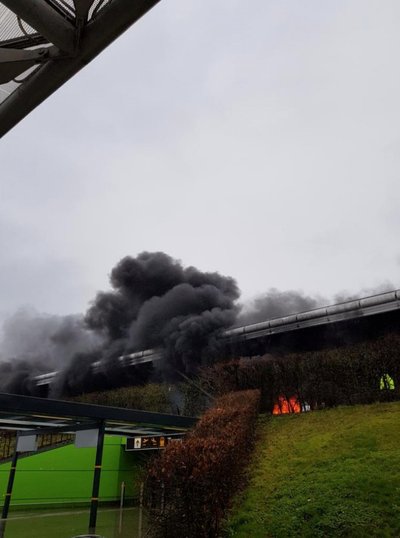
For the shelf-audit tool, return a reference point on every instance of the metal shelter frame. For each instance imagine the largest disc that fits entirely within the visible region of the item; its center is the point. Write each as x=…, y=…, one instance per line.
x=53, y=40
x=30, y=416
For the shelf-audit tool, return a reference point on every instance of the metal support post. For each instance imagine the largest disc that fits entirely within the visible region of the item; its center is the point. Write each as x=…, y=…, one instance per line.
x=10, y=484
x=96, y=480
x=121, y=506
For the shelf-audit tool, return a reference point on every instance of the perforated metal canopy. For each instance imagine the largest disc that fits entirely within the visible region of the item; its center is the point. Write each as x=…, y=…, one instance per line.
x=43, y=43
x=41, y=415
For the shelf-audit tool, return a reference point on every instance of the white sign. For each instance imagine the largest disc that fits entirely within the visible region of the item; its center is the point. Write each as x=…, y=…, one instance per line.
x=27, y=443
x=86, y=438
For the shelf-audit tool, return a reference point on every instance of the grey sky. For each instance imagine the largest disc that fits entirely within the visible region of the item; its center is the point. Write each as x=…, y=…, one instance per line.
x=258, y=139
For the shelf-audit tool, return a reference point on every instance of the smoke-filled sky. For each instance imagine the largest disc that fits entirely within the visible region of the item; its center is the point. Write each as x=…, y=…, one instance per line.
x=256, y=139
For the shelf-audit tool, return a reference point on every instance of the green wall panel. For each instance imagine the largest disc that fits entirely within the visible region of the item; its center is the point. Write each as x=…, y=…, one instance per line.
x=64, y=475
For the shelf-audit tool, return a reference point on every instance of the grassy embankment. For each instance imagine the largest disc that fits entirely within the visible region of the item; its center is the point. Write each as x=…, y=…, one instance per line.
x=329, y=473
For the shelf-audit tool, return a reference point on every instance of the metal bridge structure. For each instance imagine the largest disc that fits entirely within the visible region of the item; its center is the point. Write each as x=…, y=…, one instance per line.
x=348, y=310
x=370, y=307
x=43, y=43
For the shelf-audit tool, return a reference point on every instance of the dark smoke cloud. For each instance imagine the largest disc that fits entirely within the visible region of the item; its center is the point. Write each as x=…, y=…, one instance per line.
x=34, y=343
x=17, y=375
x=155, y=281
x=154, y=302
x=159, y=315
x=194, y=340
x=275, y=303
x=158, y=303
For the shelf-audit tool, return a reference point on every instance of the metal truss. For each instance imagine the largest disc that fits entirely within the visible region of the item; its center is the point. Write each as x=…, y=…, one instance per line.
x=43, y=43
x=29, y=413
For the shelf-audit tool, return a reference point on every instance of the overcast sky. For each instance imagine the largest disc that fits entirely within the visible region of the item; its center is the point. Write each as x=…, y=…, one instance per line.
x=259, y=139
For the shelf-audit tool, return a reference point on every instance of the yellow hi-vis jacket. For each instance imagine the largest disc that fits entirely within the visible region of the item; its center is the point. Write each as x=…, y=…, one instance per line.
x=386, y=382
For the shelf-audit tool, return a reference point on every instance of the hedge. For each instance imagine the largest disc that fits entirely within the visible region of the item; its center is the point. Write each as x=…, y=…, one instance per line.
x=340, y=376
x=189, y=486
x=151, y=397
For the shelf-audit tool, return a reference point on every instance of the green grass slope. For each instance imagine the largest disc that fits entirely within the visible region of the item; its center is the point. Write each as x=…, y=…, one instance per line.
x=330, y=473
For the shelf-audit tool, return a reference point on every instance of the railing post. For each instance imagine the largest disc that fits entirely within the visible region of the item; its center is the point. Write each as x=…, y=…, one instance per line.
x=96, y=480
x=121, y=505
x=140, y=530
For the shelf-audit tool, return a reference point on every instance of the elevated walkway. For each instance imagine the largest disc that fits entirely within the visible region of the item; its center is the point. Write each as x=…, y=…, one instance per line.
x=8, y=443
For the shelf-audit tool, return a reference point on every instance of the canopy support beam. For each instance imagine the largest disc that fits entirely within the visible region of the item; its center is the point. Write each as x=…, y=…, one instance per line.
x=47, y=21
x=94, y=503
x=110, y=23
x=7, y=500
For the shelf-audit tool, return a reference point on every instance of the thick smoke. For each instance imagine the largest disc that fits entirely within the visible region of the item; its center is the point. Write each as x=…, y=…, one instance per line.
x=155, y=302
x=33, y=344
x=275, y=303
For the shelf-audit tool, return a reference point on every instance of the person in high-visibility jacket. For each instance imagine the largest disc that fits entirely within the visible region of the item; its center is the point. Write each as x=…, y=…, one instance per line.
x=386, y=382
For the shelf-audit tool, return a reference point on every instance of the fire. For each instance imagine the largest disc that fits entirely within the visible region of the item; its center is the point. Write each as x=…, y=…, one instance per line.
x=285, y=405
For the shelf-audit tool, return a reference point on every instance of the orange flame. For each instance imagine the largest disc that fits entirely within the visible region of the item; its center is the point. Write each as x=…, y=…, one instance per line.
x=286, y=405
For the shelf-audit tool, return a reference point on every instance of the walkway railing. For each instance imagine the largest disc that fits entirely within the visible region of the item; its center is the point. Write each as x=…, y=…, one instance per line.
x=45, y=442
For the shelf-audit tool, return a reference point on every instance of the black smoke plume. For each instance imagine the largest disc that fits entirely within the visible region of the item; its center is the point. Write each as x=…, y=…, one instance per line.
x=155, y=302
